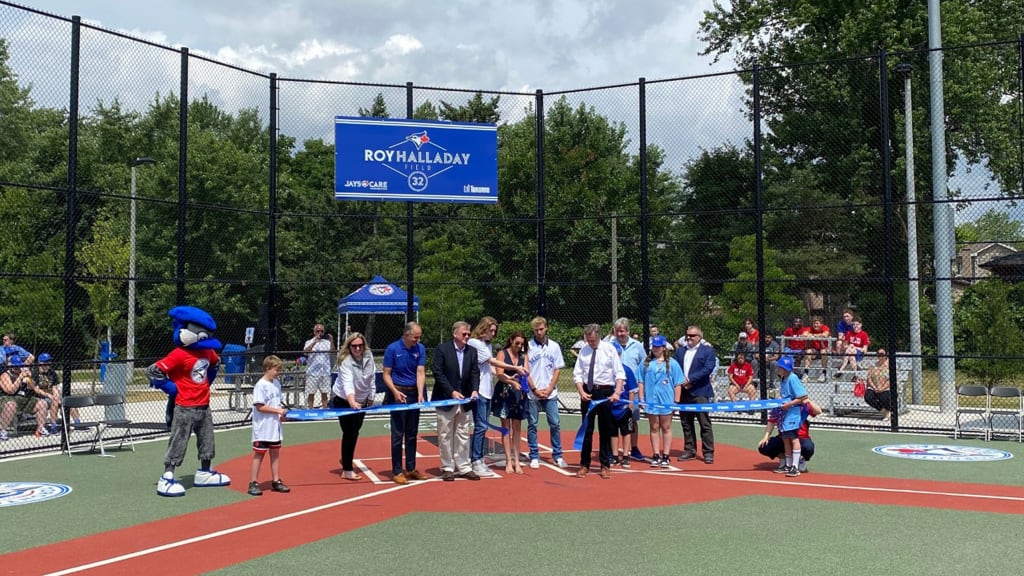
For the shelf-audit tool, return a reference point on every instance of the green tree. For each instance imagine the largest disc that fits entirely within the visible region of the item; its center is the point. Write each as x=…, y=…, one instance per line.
x=990, y=340
x=992, y=226
x=739, y=296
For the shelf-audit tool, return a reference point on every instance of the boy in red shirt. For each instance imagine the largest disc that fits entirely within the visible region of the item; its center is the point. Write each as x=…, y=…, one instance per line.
x=857, y=342
x=818, y=346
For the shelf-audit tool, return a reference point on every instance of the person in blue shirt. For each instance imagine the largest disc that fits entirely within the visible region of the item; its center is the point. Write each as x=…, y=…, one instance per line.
x=622, y=413
x=793, y=395
x=659, y=383
x=632, y=355
x=405, y=375
x=11, y=349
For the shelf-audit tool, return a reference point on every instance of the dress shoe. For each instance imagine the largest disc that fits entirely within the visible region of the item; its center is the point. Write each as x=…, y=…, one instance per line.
x=582, y=473
x=414, y=475
x=470, y=475
x=606, y=472
x=685, y=457
x=448, y=476
x=400, y=478
x=351, y=475
x=709, y=459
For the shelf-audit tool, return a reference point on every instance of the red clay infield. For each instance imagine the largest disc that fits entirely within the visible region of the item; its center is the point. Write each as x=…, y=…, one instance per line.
x=322, y=505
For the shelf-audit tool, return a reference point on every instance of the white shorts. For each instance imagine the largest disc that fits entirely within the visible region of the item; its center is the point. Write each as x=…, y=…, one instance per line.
x=318, y=383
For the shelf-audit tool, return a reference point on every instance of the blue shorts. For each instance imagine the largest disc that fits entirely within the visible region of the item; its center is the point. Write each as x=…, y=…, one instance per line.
x=788, y=434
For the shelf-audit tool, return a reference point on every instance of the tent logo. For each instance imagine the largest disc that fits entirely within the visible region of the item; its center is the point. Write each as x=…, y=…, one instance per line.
x=942, y=453
x=18, y=493
x=381, y=290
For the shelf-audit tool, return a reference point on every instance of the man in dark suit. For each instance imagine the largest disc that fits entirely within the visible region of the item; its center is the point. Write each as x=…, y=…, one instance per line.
x=456, y=375
x=697, y=358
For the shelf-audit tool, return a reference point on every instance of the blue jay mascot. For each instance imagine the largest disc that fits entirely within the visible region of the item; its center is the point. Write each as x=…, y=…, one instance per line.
x=186, y=375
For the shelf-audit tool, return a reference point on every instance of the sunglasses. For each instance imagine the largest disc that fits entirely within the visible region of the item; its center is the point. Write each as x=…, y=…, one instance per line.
x=693, y=335
x=357, y=345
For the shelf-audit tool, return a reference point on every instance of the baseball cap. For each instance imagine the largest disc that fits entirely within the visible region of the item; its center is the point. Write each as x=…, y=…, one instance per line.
x=786, y=363
x=658, y=340
x=15, y=360
x=44, y=357
x=742, y=335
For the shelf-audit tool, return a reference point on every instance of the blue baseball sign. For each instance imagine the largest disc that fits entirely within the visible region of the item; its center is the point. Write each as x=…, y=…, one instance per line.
x=383, y=159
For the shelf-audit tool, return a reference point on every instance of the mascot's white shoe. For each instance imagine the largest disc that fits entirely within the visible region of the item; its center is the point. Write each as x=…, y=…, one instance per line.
x=168, y=486
x=206, y=478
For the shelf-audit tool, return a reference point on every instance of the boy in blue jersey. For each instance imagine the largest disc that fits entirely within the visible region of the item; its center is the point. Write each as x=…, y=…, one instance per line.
x=622, y=415
x=793, y=395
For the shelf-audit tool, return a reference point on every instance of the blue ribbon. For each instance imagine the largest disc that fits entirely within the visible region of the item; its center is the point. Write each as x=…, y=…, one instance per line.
x=383, y=409
x=744, y=406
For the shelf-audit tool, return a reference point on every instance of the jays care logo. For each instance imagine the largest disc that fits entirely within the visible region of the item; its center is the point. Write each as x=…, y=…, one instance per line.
x=942, y=453
x=18, y=493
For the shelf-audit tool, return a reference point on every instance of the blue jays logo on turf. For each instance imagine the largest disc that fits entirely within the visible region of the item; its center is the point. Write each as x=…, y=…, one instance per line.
x=942, y=453
x=18, y=493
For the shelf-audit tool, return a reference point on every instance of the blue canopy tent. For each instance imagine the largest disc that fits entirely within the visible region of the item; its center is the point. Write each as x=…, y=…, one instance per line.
x=378, y=296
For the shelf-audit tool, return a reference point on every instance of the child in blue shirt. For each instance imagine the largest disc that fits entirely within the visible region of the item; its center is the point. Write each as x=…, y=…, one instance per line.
x=793, y=395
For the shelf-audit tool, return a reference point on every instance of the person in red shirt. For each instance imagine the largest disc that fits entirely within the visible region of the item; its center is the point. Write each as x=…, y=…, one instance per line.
x=818, y=347
x=857, y=342
x=740, y=378
x=186, y=374
x=753, y=335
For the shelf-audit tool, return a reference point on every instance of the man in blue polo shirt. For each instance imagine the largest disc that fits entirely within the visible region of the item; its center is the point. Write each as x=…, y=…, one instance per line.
x=633, y=355
x=405, y=376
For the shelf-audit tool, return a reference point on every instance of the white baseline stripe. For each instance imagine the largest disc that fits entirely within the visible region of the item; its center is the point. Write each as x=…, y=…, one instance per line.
x=858, y=488
x=226, y=532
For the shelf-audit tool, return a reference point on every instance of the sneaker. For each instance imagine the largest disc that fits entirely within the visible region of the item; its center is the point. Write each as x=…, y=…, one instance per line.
x=635, y=454
x=3, y=436
x=803, y=467
x=625, y=462
x=655, y=461
x=42, y=432
x=782, y=468
x=168, y=486
x=615, y=460
x=792, y=472
x=561, y=463
x=534, y=463
x=279, y=486
x=254, y=489
x=53, y=428
x=822, y=377
x=483, y=470
x=665, y=461
x=204, y=478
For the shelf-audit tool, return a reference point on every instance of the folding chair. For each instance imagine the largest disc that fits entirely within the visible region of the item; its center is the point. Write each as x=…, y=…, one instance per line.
x=1014, y=409
x=123, y=423
x=967, y=404
x=76, y=402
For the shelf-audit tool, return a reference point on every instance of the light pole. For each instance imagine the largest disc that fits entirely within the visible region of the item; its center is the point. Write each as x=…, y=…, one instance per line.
x=913, y=294
x=130, y=343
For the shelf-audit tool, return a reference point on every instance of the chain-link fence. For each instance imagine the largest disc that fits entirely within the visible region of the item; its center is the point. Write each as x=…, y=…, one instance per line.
x=771, y=201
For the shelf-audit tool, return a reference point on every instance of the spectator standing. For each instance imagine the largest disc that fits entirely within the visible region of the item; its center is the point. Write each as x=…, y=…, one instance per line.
x=753, y=334
x=598, y=375
x=698, y=363
x=514, y=383
x=659, y=382
x=405, y=376
x=456, y=376
x=632, y=356
x=877, y=393
x=656, y=331
x=354, y=388
x=319, y=350
x=546, y=363
x=267, y=412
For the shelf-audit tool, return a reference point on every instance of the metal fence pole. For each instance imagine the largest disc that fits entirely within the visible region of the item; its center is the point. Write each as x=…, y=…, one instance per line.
x=409, y=247
x=542, y=261
x=71, y=216
x=645, y=264
x=887, y=228
x=179, y=275
x=762, y=363
x=272, y=222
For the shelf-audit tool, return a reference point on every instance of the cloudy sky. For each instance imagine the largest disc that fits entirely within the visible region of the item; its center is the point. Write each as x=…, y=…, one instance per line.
x=488, y=44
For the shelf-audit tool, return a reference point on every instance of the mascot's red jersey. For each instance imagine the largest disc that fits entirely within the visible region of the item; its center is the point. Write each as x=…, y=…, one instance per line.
x=189, y=369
